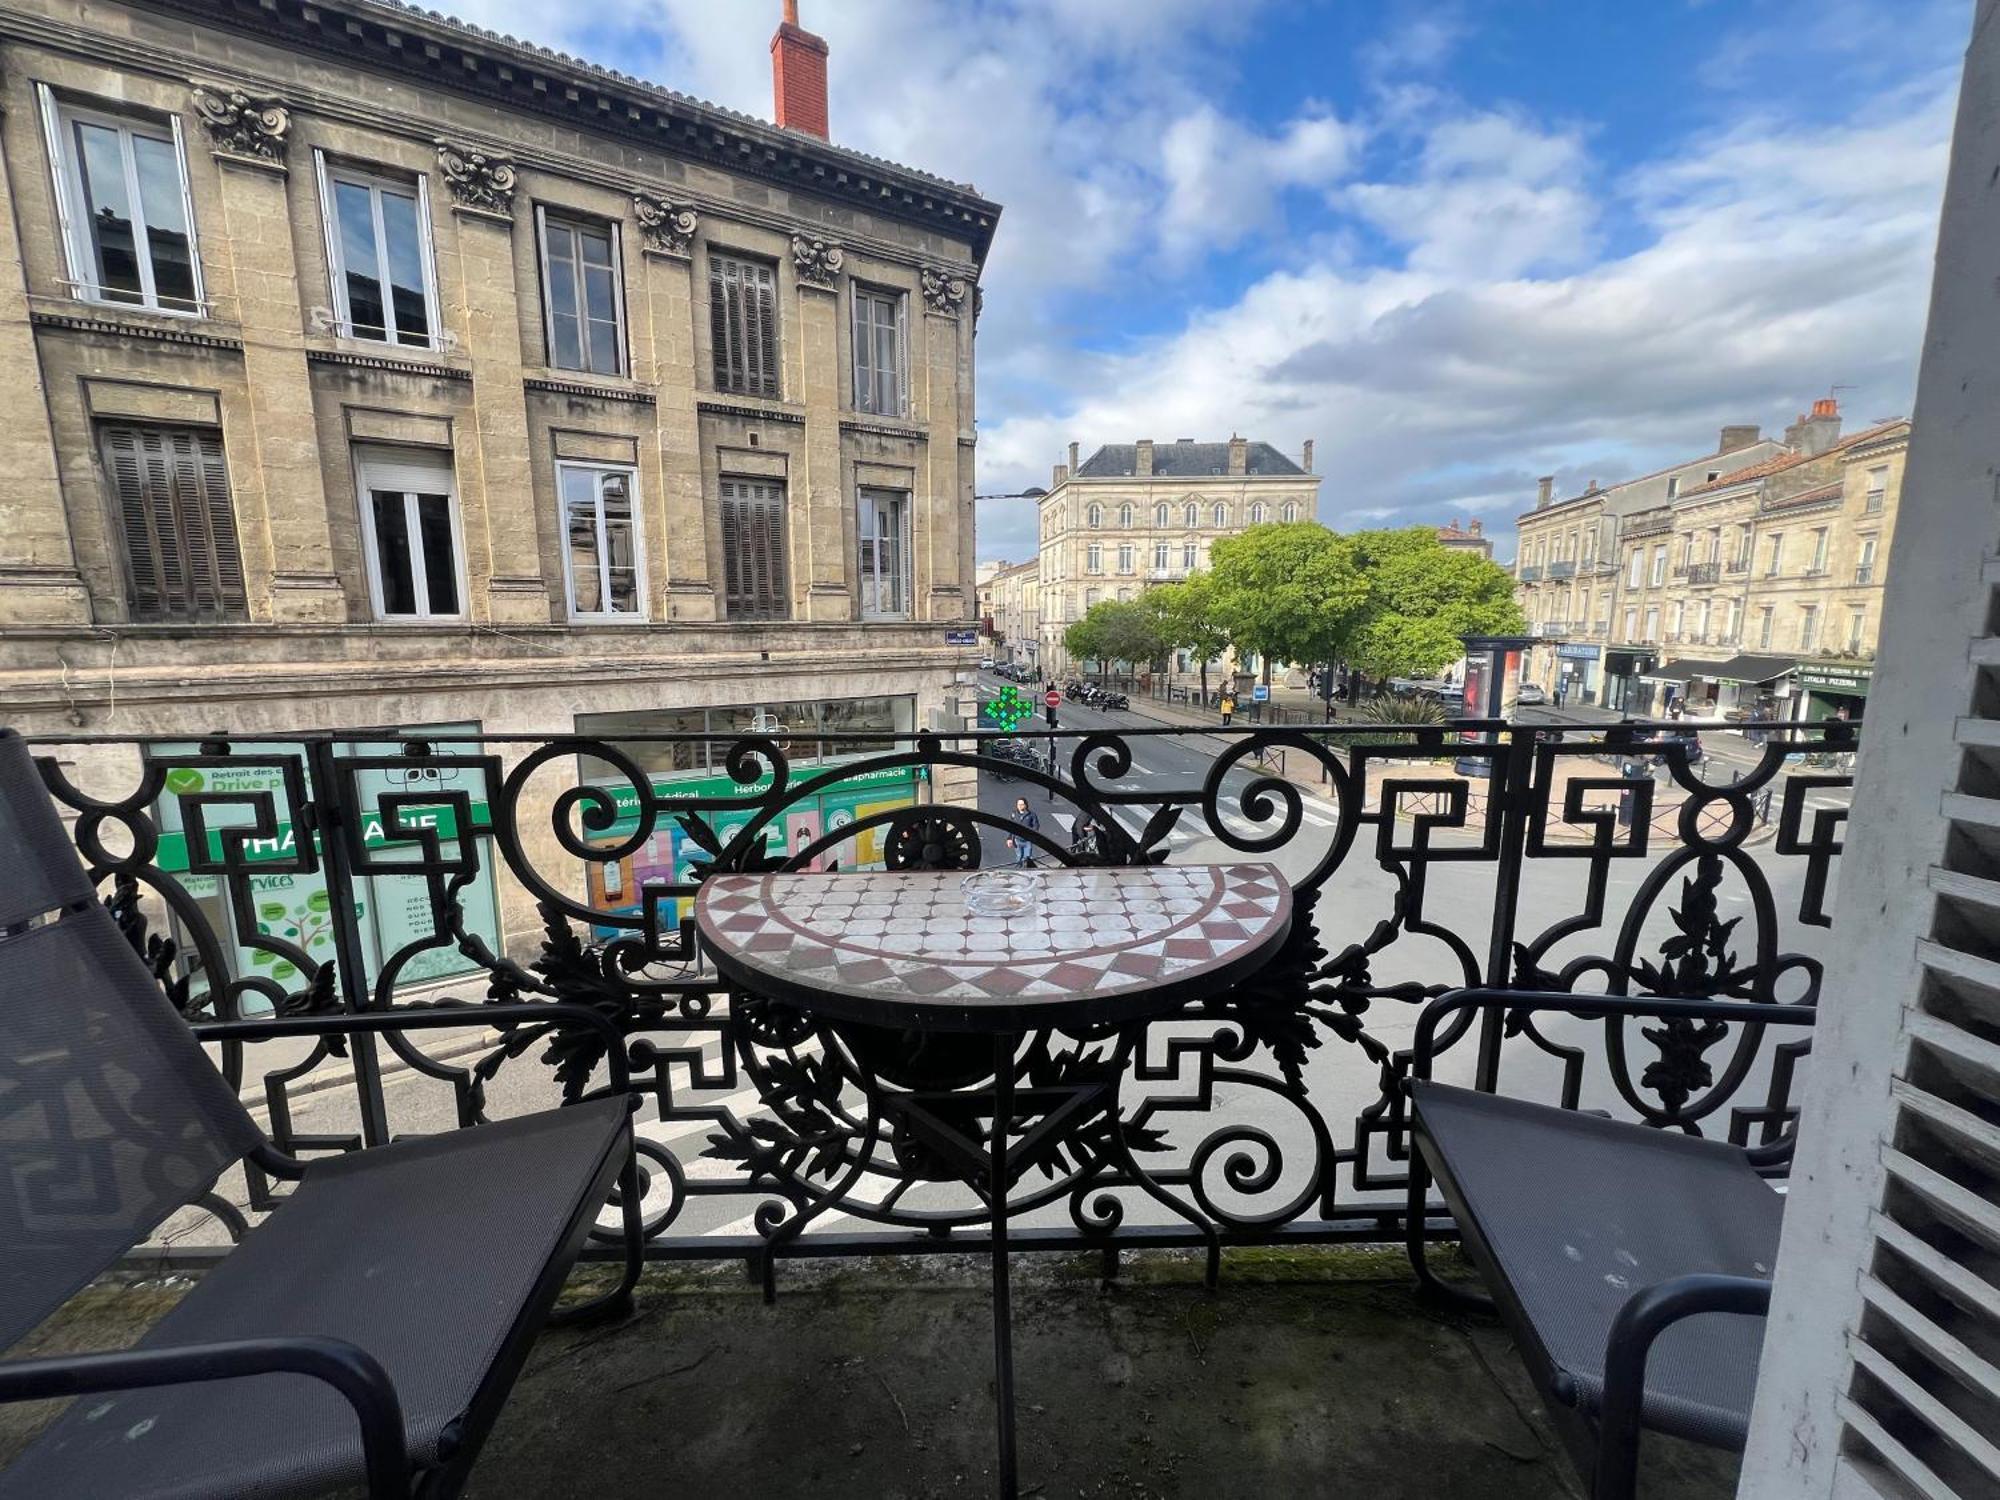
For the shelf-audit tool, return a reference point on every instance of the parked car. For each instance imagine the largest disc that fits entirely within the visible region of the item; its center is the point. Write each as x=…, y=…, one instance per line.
x=1531, y=696
x=985, y=663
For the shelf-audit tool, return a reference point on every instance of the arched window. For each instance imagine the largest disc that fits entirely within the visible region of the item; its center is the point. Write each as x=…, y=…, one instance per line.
x=1221, y=514
x=1257, y=514
x=1192, y=515
x=1125, y=517
x=1291, y=512
x=1160, y=514
x=1096, y=517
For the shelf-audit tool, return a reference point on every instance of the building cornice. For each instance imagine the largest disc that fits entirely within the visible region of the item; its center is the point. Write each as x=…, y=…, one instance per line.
x=636, y=395
x=420, y=369
x=440, y=52
x=112, y=324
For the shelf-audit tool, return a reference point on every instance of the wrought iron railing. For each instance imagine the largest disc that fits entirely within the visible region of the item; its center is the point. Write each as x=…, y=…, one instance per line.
x=308, y=872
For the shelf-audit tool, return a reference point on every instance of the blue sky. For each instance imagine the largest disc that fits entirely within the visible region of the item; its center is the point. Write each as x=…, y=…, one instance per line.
x=1458, y=244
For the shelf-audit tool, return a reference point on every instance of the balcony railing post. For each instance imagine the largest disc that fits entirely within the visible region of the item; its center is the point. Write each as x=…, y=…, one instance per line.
x=330, y=819
x=1512, y=790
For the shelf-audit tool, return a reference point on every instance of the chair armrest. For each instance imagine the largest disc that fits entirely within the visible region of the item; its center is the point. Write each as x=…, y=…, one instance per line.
x=431, y=1018
x=1644, y=1317
x=355, y=1373
x=1594, y=1007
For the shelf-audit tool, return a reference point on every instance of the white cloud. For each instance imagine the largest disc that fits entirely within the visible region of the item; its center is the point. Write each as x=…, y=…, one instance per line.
x=1224, y=179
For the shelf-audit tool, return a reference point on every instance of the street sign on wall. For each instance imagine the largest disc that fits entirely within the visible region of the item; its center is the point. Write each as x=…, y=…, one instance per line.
x=961, y=637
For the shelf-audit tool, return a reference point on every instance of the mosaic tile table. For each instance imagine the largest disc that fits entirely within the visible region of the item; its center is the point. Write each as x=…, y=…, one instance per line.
x=900, y=949
x=1098, y=946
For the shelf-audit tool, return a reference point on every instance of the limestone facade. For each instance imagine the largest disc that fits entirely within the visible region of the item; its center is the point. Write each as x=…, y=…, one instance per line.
x=1136, y=514
x=1015, y=611
x=1770, y=548
x=272, y=115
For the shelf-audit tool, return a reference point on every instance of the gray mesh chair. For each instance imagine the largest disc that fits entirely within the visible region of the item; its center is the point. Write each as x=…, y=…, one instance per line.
x=366, y=1333
x=1631, y=1264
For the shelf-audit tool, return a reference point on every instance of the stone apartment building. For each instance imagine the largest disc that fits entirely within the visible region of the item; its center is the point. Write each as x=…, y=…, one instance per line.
x=1467, y=537
x=362, y=368
x=1756, y=589
x=1013, y=611
x=1135, y=514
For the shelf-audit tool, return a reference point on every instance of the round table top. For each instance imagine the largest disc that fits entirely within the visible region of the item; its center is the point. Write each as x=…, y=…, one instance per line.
x=899, y=948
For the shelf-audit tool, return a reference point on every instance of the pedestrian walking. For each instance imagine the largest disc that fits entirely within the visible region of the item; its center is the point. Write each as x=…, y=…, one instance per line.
x=1228, y=708
x=1024, y=851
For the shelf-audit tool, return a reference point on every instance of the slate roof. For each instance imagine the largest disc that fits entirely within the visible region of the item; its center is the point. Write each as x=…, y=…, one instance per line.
x=1791, y=460
x=1182, y=461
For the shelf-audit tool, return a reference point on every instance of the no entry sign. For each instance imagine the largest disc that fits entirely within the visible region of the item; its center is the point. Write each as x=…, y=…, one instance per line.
x=1052, y=698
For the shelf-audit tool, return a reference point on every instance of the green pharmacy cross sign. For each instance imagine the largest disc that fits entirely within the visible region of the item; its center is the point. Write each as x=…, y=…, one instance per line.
x=1010, y=710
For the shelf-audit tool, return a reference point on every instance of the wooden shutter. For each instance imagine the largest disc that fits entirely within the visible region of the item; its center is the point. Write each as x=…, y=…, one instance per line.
x=761, y=295
x=170, y=488
x=753, y=550
x=725, y=330
x=743, y=325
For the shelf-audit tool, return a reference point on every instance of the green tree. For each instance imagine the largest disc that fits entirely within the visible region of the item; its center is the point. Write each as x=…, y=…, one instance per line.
x=1422, y=596
x=1289, y=591
x=1115, y=630
x=1186, y=612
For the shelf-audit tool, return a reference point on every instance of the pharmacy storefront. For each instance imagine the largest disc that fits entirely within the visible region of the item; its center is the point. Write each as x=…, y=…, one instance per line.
x=391, y=911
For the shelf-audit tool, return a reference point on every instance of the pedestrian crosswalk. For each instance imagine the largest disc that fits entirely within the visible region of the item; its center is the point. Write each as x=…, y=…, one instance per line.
x=1193, y=826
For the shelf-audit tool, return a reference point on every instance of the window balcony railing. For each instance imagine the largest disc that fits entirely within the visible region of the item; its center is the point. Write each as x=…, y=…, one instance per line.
x=1563, y=569
x=1530, y=573
x=1865, y=573
x=1739, y=564
x=325, y=872
x=1703, y=573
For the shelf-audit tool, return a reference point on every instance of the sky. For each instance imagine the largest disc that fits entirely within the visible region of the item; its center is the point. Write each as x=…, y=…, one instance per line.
x=1459, y=243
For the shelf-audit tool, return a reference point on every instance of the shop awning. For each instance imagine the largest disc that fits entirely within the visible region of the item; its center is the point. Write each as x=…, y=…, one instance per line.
x=1673, y=671
x=1750, y=669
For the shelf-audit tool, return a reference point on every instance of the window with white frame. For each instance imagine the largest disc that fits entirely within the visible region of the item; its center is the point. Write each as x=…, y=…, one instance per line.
x=1096, y=514
x=1659, y=565
x=1653, y=623
x=1777, y=555
x=1864, y=565
x=1673, y=485
x=1221, y=514
x=1191, y=514
x=582, y=294
x=409, y=524
x=1764, y=628
x=1808, y=627
x=1637, y=569
x=1291, y=511
x=885, y=554
x=1161, y=550
x=1857, y=623
x=878, y=352
x=1631, y=624
x=378, y=248
x=600, y=529
x=1819, y=550
x=123, y=206
x=1878, y=489
x=1125, y=553
x=1189, y=554
x=1124, y=518
x=1093, y=558
x=1089, y=600
x=1257, y=513
x=1162, y=515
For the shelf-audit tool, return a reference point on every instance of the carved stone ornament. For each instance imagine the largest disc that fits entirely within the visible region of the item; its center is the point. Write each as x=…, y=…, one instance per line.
x=666, y=227
x=477, y=181
x=945, y=293
x=817, y=262
x=241, y=124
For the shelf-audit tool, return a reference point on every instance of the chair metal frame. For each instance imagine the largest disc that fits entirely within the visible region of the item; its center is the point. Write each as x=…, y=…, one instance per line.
x=1605, y=1448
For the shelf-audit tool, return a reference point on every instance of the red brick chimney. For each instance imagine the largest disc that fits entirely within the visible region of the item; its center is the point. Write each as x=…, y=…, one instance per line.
x=798, y=75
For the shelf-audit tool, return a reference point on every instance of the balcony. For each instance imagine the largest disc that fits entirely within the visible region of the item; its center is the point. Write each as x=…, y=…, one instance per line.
x=1531, y=573
x=1265, y=1121
x=1699, y=574
x=1562, y=569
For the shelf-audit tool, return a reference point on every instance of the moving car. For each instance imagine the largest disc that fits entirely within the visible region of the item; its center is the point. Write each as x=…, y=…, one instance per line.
x=1531, y=696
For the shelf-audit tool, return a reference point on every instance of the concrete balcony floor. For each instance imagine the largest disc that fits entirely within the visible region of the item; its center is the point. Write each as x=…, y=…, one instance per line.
x=1308, y=1373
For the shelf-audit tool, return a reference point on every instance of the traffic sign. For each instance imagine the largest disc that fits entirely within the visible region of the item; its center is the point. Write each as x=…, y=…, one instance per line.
x=1052, y=698
x=1260, y=693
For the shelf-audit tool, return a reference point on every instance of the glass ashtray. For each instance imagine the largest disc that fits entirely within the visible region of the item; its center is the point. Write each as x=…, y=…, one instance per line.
x=1001, y=893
